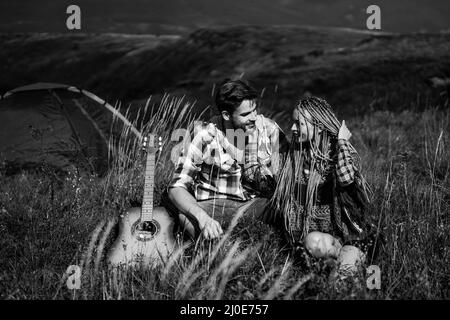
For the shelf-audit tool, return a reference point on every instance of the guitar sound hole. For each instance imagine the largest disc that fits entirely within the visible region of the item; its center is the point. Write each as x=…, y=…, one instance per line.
x=145, y=230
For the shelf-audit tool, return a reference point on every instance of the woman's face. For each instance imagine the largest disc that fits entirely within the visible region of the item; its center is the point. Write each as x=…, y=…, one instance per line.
x=303, y=127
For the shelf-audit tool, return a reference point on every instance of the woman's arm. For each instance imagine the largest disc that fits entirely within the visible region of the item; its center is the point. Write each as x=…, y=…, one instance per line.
x=345, y=168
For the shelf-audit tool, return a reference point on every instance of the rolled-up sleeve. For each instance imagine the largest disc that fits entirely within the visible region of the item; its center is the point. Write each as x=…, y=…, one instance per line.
x=345, y=168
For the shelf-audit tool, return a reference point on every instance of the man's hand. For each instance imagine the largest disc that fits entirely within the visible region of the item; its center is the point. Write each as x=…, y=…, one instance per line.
x=211, y=228
x=187, y=204
x=344, y=133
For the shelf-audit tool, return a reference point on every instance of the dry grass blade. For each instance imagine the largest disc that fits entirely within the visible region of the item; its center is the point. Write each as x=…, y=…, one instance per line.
x=298, y=285
x=173, y=260
x=87, y=258
x=186, y=283
x=265, y=278
x=224, y=270
x=101, y=243
x=236, y=262
x=226, y=236
x=277, y=285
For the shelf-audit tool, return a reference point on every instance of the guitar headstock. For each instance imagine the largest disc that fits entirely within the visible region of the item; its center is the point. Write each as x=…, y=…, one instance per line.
x=149, y=144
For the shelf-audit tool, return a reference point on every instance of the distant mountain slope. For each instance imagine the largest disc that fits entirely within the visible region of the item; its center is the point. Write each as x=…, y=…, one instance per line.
x=183, y=16
x=74, y=58
x=354, y=70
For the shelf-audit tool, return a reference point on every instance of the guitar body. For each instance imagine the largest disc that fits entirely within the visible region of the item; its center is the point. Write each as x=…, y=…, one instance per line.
x=143, y=242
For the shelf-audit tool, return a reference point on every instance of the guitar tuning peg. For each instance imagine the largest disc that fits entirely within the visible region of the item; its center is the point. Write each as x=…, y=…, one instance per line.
x=160, y=138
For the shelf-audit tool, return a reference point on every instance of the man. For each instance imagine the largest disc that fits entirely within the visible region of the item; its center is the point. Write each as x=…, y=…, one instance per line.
x=228, y=166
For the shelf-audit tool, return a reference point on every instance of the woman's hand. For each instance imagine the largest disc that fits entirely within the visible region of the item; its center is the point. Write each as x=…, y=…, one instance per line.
x=344, y=133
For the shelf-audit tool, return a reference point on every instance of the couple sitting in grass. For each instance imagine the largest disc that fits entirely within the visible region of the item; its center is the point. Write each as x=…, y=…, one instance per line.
x=240, y=162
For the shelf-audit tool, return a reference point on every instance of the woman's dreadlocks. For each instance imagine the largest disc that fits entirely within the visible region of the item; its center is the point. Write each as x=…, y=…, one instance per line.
x=317, y=159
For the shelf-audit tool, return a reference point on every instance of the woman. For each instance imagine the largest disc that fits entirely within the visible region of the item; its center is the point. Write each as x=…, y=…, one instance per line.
x=320, y=194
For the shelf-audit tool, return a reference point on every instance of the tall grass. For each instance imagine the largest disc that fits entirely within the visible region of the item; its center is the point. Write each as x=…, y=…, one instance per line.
x=49, y=222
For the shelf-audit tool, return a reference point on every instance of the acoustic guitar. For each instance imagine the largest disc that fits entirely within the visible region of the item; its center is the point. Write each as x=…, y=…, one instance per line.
x=145, y=234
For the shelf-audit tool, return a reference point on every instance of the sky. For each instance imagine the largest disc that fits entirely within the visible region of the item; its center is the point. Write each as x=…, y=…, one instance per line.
x=181, y=16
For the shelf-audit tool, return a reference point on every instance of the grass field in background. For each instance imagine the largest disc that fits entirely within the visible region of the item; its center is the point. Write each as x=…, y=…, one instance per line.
x=47, y=220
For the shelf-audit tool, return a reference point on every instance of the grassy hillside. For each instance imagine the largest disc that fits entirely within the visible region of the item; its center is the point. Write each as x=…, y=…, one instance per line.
x=378, y=82
x=73, y=59
x=49, y=222
x=354, y=70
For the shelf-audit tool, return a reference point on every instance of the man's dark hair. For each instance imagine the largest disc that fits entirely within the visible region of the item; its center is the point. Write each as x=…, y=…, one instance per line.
x=231, y=93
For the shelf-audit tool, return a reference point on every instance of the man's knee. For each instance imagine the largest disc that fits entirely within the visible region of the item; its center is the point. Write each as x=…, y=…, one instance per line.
x=183, y=224
x=186, y=227
x=321, y=245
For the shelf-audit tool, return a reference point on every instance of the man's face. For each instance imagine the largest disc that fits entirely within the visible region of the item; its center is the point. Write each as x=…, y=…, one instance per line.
x=244, y=117
x=303, y=126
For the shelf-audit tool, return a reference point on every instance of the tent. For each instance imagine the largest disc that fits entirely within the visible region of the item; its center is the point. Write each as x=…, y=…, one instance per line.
x=60, y=125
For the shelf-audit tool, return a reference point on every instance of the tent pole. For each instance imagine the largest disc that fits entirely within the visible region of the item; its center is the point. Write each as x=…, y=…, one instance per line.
x=110, y=108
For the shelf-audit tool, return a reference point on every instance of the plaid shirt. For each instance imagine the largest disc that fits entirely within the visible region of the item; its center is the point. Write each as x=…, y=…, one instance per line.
x=345, y=167
x=212, y=167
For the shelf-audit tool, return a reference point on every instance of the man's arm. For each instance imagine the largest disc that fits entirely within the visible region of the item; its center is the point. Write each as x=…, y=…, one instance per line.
x=187, y=205
x=184, y=176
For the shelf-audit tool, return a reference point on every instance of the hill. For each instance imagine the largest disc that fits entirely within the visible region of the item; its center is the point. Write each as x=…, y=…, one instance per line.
x=355, y=70
x=182, y=16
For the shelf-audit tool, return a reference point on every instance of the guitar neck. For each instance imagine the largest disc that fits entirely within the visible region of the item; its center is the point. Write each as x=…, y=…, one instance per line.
x=149, y=182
